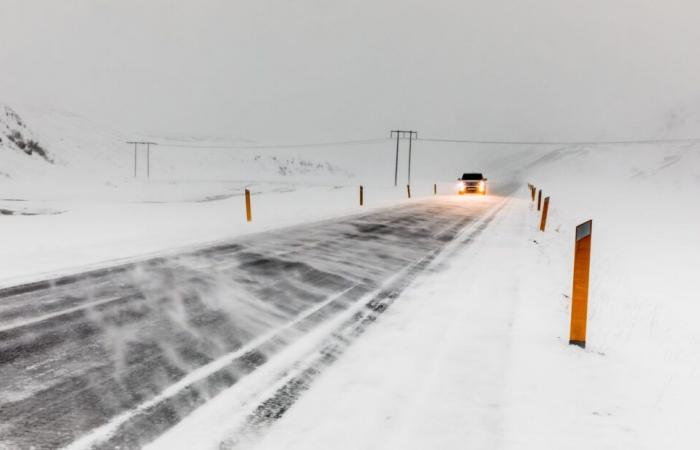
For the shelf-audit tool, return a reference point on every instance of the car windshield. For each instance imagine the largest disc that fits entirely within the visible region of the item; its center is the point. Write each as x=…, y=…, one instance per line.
x=472, y=176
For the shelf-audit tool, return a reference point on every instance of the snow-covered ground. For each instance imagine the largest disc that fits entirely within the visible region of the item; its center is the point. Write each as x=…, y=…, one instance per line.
x=476, y=355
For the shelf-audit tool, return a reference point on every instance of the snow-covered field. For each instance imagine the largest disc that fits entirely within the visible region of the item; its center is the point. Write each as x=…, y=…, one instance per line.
x=475, y=354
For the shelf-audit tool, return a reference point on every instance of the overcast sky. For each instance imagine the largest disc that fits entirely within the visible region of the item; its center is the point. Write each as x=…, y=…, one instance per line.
x=283, y=70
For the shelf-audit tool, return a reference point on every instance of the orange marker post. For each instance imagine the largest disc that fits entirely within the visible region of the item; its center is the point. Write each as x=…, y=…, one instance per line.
x=545, y=210
x=434, y=189
x=408, y=190
x=539, y=200
x=579, y=297
x=248, y=213
x=362, y=196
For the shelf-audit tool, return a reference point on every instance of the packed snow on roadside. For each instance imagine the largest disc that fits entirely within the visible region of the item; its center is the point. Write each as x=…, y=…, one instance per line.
x=476, y=354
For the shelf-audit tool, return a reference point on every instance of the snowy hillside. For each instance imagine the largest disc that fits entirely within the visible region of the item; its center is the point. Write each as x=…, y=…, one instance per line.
x=18, y=137
x=62, y=146
x=20, y=150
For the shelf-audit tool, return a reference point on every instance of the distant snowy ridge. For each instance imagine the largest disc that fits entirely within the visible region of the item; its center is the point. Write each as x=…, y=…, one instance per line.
x=290, y=166
x=47, y=143
x=212, y=151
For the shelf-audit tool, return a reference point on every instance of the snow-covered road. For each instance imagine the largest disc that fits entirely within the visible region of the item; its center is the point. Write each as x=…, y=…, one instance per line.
x=117, y=356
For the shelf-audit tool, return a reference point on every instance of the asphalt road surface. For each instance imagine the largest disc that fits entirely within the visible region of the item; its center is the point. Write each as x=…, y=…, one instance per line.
x=79, y=351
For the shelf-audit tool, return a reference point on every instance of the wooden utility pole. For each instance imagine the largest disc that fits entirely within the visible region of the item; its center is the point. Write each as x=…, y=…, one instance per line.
x=148, y=156
x=403, y=134
x=410, y=141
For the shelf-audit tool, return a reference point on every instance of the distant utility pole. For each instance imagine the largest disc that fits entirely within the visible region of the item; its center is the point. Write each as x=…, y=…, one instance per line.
x=148, y=156
x=402, y=134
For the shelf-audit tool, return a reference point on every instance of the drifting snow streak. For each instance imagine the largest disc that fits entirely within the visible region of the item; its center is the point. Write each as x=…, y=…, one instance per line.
x=57, y=314
x=195, y=376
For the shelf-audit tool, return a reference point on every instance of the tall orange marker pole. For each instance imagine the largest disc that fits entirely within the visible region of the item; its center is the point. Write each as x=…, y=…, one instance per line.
x=362, y=196
x=434, y=189
x=533, y=189
x=408, y=190
x=545, y=210
x=248, y=213
x=579, y=297
x=539, y=200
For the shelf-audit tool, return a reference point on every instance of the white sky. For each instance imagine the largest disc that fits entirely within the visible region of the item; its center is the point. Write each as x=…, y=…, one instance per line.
x=320, y=69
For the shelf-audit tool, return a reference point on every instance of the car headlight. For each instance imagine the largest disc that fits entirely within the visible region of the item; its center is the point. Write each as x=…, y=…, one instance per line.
x=482, y=186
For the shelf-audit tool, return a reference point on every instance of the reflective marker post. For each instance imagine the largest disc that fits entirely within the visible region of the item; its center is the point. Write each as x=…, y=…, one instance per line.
x=545, y=210
x=579, y=297
x=362, y=196
x=539, y=200
x=248, y=213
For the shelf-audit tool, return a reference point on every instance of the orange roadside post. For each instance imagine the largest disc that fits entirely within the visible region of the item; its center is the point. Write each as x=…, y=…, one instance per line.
x=408, y=190
x=362, y=196
x=545, y=210
x=579, y=296
x=248, y=213
x=434, y=189
x=539, y=200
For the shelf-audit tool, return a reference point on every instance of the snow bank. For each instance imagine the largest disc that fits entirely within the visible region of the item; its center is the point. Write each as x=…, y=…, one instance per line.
x=636, y=378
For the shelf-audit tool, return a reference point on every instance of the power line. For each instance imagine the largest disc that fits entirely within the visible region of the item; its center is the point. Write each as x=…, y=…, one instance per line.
x=496, y=142
x=277, y=146
x=428, y=139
